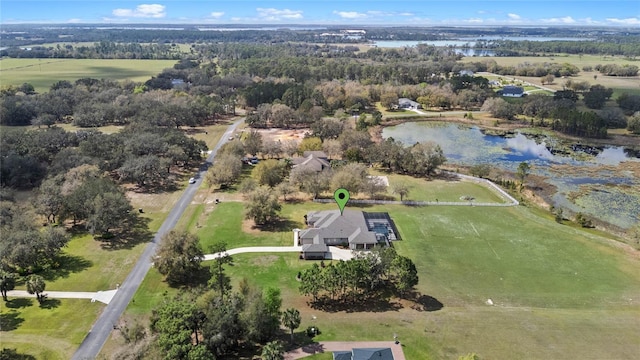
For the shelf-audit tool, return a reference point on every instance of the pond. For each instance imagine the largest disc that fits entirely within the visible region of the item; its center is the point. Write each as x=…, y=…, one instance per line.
x=602, y=184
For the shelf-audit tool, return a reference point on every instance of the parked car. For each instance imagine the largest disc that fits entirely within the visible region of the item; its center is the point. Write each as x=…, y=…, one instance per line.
x=192, y=181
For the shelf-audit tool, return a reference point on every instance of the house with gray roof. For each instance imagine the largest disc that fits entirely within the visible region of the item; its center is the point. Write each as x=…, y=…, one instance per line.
x=512, y=91
x=356, y=229
x=404, y=103
x=313, y=160
x=364, y=354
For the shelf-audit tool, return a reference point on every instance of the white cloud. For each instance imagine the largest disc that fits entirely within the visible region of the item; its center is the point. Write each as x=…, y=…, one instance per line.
x=74, y=21
x=474, y=21
x=513, y=16
x=142, y=11
x=627, y=21
x=216, y=14
x=406, y=14
x=350, y=14
x=562, y=20
x=272, y=14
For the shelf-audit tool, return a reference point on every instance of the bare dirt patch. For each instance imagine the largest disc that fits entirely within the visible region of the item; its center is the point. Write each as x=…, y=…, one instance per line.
x=284, y=135
x=249, y=227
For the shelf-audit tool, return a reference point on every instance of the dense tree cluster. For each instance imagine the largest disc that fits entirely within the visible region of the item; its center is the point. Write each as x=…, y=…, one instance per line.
x=525, y=69
x=610, y=45
x=141, y=154
x=618, y=70
x=359, y=279
x=99, y=50
x=26, y=246
x=213, y=323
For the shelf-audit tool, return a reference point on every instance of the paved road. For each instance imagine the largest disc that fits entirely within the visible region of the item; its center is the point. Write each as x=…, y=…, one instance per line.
x=94, y=341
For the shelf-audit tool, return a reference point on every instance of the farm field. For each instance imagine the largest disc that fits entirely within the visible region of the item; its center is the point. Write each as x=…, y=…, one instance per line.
x=42, y=73
x=619, y=84
x=556, y=289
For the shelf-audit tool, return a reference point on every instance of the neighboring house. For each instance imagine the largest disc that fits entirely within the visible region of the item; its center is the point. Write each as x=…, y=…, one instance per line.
x=494, y=83
x=364, y=354
x=512, y=91
x=356, y=229
x=313, y=160
x=404, y=103
x=466, y=72
x=178, y=84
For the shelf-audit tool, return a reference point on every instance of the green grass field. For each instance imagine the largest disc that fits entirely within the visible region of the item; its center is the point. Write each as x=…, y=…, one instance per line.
x=51, y=332
x=41, y=73
x=558, y=291
x=618, y=84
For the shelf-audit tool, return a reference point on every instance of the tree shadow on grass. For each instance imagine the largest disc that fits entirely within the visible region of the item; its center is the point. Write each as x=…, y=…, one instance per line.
x=18, y=303
x=279, y=225
x=64, y=266
x=49, y=303
x=136, y=233
x=12, y=354
x=10, y=320
x=198, y=279
x=371, y=304
x=425, y=302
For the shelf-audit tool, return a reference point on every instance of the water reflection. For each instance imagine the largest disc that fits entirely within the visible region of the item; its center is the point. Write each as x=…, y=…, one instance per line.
x=524, y=145
x=611, y=156
x=587, y=184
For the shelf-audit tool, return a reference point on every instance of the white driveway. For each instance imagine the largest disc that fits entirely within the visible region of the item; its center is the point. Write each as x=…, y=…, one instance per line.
x=101, y=296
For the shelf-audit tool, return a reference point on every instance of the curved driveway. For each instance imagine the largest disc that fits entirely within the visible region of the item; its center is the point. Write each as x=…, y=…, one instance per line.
x=94, y=341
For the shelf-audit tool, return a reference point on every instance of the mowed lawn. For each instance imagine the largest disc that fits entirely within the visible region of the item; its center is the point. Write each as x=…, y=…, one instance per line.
x=556, y=290
x=42, y=73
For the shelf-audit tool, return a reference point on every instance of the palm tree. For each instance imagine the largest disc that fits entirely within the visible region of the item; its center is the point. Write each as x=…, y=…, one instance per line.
x=36, y=285
x=273, y=351
x=7, y=283
x=291, y=320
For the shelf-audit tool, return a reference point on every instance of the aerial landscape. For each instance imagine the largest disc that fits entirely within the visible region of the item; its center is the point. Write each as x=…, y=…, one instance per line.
x=293, y=179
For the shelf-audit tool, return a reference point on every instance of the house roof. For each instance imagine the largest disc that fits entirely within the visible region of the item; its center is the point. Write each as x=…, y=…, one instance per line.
x=405, y=101
x=364, y=354
x=329, y=224
x=510, y=89
x=312, y=161
x=318, y=154
x=314, y=248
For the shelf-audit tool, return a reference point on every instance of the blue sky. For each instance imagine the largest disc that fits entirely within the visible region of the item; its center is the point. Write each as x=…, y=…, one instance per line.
x=369, y=12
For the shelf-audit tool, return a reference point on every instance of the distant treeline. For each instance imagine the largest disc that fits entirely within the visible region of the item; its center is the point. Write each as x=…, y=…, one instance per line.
x=622, y=46
x=99, y=50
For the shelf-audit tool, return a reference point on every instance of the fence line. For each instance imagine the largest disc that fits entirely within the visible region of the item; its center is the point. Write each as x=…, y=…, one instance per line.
x=510, y=200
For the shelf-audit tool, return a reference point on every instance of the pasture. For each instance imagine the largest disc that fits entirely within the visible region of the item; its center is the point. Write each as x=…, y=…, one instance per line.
x=618, y=84
x=42, y=73
x=555, y=289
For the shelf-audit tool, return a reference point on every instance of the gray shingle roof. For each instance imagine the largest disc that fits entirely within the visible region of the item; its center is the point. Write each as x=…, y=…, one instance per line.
x=312, y=161
x=330, y=224
x=364, y=354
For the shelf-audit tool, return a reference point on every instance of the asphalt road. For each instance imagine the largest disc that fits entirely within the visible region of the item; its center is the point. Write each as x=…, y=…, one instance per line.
x=97, y=336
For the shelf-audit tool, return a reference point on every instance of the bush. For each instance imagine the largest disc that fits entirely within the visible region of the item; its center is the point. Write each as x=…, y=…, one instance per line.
x=583, y=221
x=312, y=331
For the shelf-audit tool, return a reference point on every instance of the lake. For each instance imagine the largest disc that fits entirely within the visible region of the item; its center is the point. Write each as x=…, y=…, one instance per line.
x=601, y=186
x=465, y=46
